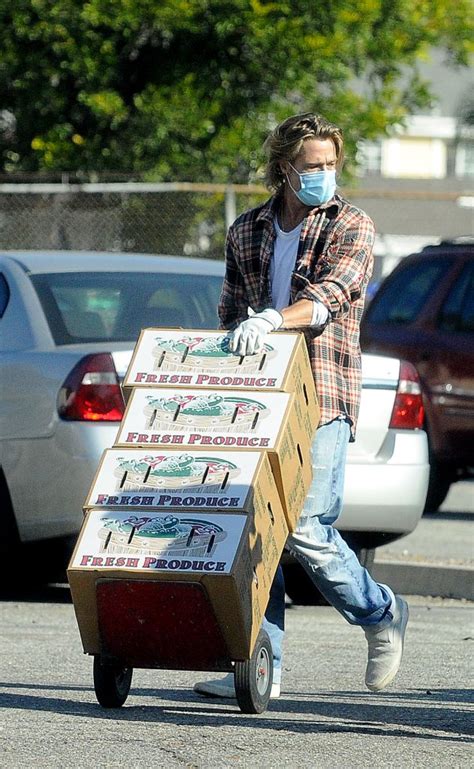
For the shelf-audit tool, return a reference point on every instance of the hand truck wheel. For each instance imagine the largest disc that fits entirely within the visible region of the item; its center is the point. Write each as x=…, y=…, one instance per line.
x=253, y=678
x=111, y=683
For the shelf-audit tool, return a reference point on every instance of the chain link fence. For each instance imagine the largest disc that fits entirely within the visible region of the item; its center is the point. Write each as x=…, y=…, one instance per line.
x=175, y=219
x=164, y=218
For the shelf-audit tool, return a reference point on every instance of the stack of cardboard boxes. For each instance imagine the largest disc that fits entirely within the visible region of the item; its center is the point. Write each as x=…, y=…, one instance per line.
x=208, y=473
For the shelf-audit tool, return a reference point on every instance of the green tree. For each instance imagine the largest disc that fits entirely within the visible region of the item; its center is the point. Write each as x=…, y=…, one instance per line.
x=187, y=89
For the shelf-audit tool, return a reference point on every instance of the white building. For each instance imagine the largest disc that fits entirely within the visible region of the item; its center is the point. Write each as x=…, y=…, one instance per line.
x=418, y=182
x=437, y=144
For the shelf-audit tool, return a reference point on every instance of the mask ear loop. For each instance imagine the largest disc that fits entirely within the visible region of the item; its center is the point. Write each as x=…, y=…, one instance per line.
x=288, y=178
x=290, y=185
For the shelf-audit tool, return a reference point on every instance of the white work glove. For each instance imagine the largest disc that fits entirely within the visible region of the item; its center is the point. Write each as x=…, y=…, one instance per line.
x=248, y=338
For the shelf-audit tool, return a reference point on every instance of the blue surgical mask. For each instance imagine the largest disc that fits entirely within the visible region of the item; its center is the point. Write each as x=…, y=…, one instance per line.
x=315, y=188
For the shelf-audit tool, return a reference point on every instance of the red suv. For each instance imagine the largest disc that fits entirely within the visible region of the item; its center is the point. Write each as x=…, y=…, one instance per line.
x=424, y=312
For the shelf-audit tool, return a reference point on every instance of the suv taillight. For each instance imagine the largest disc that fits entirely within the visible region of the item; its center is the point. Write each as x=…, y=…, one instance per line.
x=92, y=392
x=408, y=411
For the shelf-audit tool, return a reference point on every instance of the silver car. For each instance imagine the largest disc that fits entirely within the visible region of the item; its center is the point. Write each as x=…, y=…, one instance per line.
x=69, y=321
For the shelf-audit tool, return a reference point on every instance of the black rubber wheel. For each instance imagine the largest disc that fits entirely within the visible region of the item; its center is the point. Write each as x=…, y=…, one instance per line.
x=111, y=683
x=10, y=540
x=253, y=678
x=439, y=484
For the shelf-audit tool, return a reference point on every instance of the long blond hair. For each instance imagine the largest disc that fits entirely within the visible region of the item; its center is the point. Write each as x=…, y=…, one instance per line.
x=286, y=140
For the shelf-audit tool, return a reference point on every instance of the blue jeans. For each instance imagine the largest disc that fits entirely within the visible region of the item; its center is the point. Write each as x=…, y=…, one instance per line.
x=320, y=549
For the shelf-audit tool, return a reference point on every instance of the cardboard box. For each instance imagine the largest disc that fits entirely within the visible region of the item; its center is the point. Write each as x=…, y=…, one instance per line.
x=208, y=419
x=219, y=481
x=233, y=555
x=197, y=358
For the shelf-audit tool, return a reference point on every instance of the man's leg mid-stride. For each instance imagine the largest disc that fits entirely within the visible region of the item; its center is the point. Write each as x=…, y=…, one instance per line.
x=336, y=572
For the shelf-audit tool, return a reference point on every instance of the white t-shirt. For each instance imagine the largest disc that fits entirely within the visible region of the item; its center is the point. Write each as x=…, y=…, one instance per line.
x=282, y=264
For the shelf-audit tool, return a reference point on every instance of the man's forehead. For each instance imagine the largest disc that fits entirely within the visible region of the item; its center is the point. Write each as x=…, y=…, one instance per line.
x=314, y=150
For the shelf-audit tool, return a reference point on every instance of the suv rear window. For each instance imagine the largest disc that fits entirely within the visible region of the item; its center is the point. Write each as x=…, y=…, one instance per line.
x=457, y=313
x=404, y=293
x=93, y=307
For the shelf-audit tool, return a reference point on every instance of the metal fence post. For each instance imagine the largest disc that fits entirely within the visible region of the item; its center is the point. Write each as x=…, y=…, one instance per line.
x=230, y=206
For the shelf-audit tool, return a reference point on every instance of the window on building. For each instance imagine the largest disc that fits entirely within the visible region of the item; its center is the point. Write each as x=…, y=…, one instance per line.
x=369, y=157
x=465, y=159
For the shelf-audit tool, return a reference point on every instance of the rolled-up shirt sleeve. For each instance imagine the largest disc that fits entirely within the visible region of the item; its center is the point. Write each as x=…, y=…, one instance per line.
x=233, y=304
x=342, y=273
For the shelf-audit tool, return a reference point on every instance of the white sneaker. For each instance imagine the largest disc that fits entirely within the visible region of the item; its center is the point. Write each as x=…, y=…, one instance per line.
x=386, y=648
x=224, y=688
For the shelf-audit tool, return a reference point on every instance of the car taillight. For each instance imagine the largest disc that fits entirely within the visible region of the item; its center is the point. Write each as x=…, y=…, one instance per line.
x=92, y=391
x=408, y=411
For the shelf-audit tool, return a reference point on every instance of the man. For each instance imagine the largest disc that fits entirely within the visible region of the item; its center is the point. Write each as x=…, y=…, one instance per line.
x=302, y=261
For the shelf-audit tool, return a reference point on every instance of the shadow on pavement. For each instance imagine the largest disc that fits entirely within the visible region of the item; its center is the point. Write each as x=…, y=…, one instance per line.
x=412, y=714
x=42, y=593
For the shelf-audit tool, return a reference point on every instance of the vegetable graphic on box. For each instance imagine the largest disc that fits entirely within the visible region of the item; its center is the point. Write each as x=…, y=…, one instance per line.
x=213, y=412
x=173, y=472
x=198, y=353
x=160, y=534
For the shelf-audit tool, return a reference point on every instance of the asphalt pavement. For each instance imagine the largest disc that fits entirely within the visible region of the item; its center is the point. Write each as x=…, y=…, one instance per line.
x=438, y=557
x=325, y=718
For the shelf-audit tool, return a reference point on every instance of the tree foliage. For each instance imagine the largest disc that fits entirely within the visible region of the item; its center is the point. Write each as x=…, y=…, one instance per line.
x=187, y=89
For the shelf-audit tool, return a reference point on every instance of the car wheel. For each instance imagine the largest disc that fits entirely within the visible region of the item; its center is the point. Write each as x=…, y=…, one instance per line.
x=50, y=558
x=301, y=589
x=10, y=540
x=439, y=484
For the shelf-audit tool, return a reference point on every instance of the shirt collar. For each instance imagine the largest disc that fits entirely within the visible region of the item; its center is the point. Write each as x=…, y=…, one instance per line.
x=270, y=208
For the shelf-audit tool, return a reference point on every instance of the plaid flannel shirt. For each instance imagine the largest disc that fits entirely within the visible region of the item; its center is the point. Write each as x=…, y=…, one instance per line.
x=333, y=265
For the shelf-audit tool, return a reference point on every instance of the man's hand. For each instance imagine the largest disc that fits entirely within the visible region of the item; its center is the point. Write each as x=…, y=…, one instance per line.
x=248, y=338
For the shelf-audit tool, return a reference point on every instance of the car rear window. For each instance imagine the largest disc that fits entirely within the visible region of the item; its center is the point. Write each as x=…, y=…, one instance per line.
x=457, y=313
x=4, y=294
x=93, y=307
x=404, y=293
